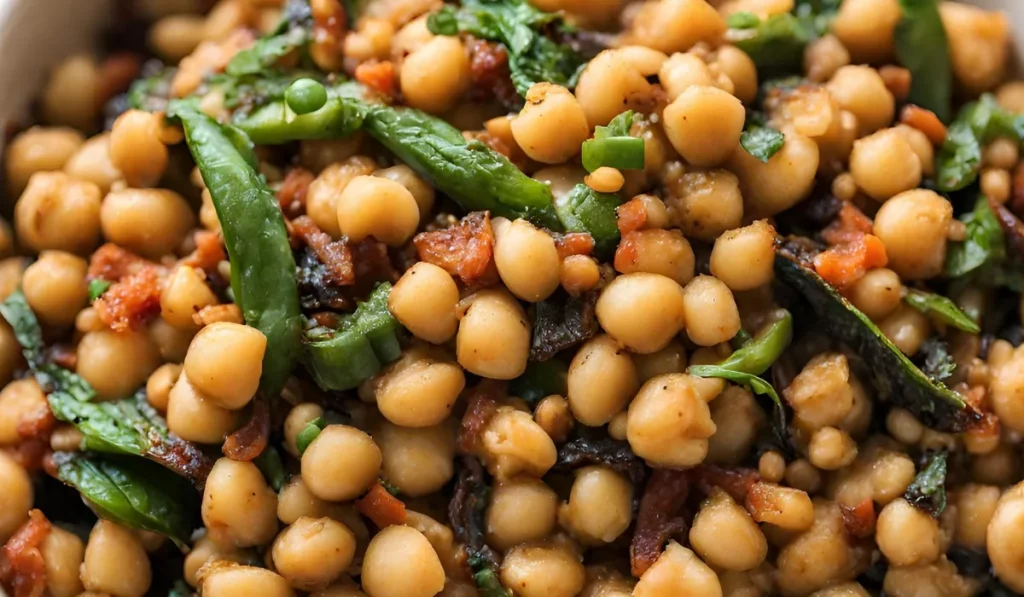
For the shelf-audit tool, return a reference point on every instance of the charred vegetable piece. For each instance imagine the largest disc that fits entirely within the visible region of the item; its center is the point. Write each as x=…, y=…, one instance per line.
x=262, y=266
x=941, y=308
x=467, y=517
x=983, y=258
x=958, y=161
x=561, y=322
x=540, y=380
x=616, y=455
x=921, y=47
x=585, y=210
x=938, y=364
x=893, y=375
x=133, y=492
x=928, y=491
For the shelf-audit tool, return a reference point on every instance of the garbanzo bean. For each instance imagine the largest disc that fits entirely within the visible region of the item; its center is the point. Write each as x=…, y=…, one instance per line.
x=238, y=507
x=744, y=258
x=884, y=164
x=831, y=449
x=610, y=84
x=172, y=342
x=578, y=274
x=671, y=359
x=907, y=328
x=682, y=71
x=194, y=418
x=176, y=36
x=710, y=311
x=676, y=25
x=526, y=258
x=866, y=28
x=678, y=571
x=224, y=363
x=63, y=554
x=725, y=536
x=738, y=419
x=92, y=163
x=184, y=294
x=434, y=76
x=313, y=552
x=914, y=225
x=740, y=68
x=70, y=96
x=378, y=207
x=55, y=287
x=16, y=496
x=975, y=506
x=58, y=212
x=978, y=45
x=907, y=536
x=419, y=391
x=600, y=506
x=340, y=464
x=115, y=562
x=602, y=380
x=642, y=311
x=325, y=191
x=817, y=557
x=21, y=402
x=665, y=252
x=421, y=190
x=669, y=424
x=416, y=461
x=784, y=180
x=39, y=149
x=295, y=501
x=400, y=562
x=821, y=394
x=860, y=90
x=206, y=551
x=552, y=125
x=116, y=363
x=704, y=204
x=704, y=124
x=513, y=443
x=136, y=149
x=300, y=416
x=227, y=579
x=521, y=510
x=823, y=57
x=544, y=570
x=877, y=293
x=150, y=222
x=494, y=336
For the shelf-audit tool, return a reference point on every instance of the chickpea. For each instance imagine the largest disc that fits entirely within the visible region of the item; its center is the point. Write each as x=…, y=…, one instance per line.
x=669, y=424
x=818, y=556
x=225, y=361
x=877, y=293
x=975, y=505
x=600, y=505
x=92, y=163
x=191, y=417
x=821, y=394
x=400, y=562
x=58, y=212
x=238, y=507
x=978, y=45
x=39, y=149
x=299, y=417
x=552, y=125
x=1006, y=387
x=907, y=536
x=116, y=363
x=878, y=474
x=55, y=287
x=1002, y=542
x=738, y=419
x=424, y=301
x=907, y=328
x=939, y=578
x=521, y=510
x=10, y=352
x=678, y=571
x=115, y=562
x=783, y=181
x=513, y=443
x=998, y=467
x=543, y=570
x=682, y=71
x=313, y=552
x=884, y=164
x=63, y=553
x=227, y=579
x=676, y=25
x=206, y=551
x=418, y=391
x=176, y=36
x=671, y=359
x=831, y=449
x=740, y=68
x=865, y=27
x=70, y=96
x=341, y=463
x=771, y=466
x=172, y=342
x=642, y=311
x=605, y=180
x=417, y=461
x=725, y=536
x=136, y=149
x=372, y=40
x=602, y=380
x=861, y=91
x=343, y=588
x=611, y=83
x=16, y=496
x=20, y=401
x=704, y=124
x=434, y=77
x=324, y=192
x=526, y=258
x=710, y=311
x=185, y=293
x=1010, y=96
x=378, y=207
x=823, y=57
x=554, y=417
x=744, y=258
x=578, y=274
x=921, y=146
x=665, y=252
x=422, y=191
x=150, y=222
x=494, y=336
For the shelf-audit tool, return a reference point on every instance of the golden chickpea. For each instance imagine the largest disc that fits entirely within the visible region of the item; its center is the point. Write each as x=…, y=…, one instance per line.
x=996, y=184
x=16, y=496
x=600, y=506
x=20, y=401
x=341, y=463
x=605, y=180
x=521, y=510
x=821, y=394
x=39, y=149
x=238, y=507
x=325, y=191
x=602, y=380
x=422, y=191
x=744, y=258
x=978, y=45
x=1006, y=388
x=823, y=57
x=343, y=588
x=378, y=207
x=150, y=222
x=513, y=443
x=10, y=352
x=671, y=359
x=740, y=69
x=704, y=124
x=70, y=96
x=817, y=557
x=172, y=342
x=682, y=71
x=136, y=149
x=552, y=125
x=913, y=225
x=159, y=385
x=227, y=579
x=400, y=562
x=710, y=311
x=418, y=391
x=921, y=146
x=677, y=25
x=206, y=551
x=725, y=536
x=866, y=28
x=678, y=571
x=543, y=570
x=907, y=328
x=434, y=77
x=771, y=466
x=424, y=300
x=184, y=294
x=860, y=90
x=225, y=361
x=116, y=364
x=738, y=419
x=669, y=424
x=55, y=287
x=704, y=204
x=526, y=258
x=176, y=36
x=642, y=311
x=313, y=552
x=115, y=562
x=831, y=449
x=494, y=336
x=665, y=252
x=63, y=553
x=299, y=417
x=295, y=501
x=417, y=461
x=191, y=417
x=907, y=536
x=975, y=505
x=884, y=164
x=877, y=293
x=58, y=212
x=1010, y=96
x=554, y=417
x=610, y=84
x=578, y=274
x=787, y=177
x=92, y=163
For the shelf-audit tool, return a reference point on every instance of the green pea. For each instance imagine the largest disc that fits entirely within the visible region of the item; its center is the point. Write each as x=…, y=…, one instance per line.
x=305, y=96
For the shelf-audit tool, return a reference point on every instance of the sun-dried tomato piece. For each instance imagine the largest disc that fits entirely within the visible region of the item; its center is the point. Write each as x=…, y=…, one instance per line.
x=574, y=243
x=130, y=303
x=482, y=403
x=859, y=520
x=850, y=225
x=209, y=252
x=659, y=518
x=842, y=265
x=381, y=507
x=22, y=567
x=925, y=121
x=490, y=74
x=464, y=250
x=249, y=441
x=631, y=216
x=379, y=75
x=735, y=481
x=112, y=262
x=292, y=192
x=334, y=254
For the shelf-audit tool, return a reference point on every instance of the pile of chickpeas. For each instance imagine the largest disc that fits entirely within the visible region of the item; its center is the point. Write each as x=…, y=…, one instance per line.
x=698, y=272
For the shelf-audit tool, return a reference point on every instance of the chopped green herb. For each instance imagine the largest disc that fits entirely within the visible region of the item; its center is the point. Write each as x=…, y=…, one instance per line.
x=309, y=433
x=941, y=308
x=921, y=47
x=97, y=288
x=928, y=491
x=762, y=141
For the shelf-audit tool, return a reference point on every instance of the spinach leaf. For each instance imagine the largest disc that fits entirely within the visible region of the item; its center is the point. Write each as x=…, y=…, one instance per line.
x=613, y=146
x=133, y=492
x=984, y=242
x=540, y=380
x=761, y=141
x=560, y=322
x=585, y=210
x=775, y=44
x=928, y=491
x=959, y=158
x=942, y=308
x=489, y=585
x=151, y=93
x=922, y=48
x=294, y=31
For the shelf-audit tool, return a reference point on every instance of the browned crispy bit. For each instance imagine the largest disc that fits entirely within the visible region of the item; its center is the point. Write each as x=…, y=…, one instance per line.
x=925, y=121
x=218, y=313
x=250, y=439
x=660, y=517
x=22, y=567
x=859, y=520
x=897, y=81
x=130, y=303
x=631, y=216
x=335, y=255
x=464, y=250
x=292, y=192
x=482, y=402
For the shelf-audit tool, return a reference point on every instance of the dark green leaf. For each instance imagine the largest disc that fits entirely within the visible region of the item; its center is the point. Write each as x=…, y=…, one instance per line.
x=742, y=20
x=938, y=364
x=988, y=120
x=928, y=491
x=294, y=31
x=776, y=43
x=624, y=153
x=984, y=243
x=753, y=382
x=618, y=127
x=133, y=492
x=269, y=463
x=561, y=322
x=762, y=142
x=540, y=380
x=444, y=21
x=309, y=433
x=585, y=210
x=757, y=355
x=489, y=585
x=151, y=93
x=941, y=308
x=97, y=288
x=180, y=589
x=920, y=41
